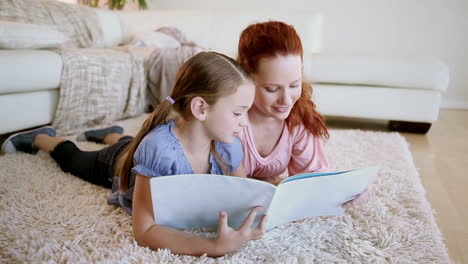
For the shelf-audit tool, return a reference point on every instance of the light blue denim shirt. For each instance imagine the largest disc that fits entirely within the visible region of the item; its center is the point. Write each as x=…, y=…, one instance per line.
x=160, y=154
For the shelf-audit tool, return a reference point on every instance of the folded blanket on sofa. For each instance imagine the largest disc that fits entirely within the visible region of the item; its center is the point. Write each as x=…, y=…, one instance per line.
x=75, y=21
x=166, y=59
x=99, y=86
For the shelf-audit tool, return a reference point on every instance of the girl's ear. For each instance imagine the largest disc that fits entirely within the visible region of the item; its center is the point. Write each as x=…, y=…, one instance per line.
x=199, y=108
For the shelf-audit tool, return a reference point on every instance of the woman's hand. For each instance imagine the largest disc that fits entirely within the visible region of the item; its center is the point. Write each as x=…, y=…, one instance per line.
x=362, y=197
x=229, y=239
x=275, y=180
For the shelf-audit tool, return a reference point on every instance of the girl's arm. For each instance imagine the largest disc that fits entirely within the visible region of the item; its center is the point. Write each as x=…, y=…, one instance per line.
x=148, y=234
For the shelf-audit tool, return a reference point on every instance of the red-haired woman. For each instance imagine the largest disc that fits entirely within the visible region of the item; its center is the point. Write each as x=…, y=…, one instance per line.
x=284, y=128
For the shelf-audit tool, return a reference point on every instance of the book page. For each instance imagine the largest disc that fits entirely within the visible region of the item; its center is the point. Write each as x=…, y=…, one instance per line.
x=315, y=196
x=192, y=201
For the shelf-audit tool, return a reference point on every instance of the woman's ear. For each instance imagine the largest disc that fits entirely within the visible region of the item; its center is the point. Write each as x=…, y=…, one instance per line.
x=199, y=108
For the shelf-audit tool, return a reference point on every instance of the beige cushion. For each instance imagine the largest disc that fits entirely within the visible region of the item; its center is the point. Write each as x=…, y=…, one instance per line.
x=155, y=40
x=29, y=36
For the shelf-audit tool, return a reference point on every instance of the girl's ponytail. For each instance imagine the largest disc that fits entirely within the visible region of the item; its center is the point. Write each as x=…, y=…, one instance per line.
x=125, y=162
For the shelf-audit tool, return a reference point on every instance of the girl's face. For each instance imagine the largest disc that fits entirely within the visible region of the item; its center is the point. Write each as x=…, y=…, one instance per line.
x=226, y=118
x=278, y=85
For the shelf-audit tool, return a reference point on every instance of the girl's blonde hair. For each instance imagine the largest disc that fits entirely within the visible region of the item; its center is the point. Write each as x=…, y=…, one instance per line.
x=209, y=75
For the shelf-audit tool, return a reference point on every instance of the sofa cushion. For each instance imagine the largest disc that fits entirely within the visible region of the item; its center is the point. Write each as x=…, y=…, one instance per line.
x=25, y=110
x=111, y=29
x=387, y=103
x=415, y=73
x=17, y=35
x=29, y=70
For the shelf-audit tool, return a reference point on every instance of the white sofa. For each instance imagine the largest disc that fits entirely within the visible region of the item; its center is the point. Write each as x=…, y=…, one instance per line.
x=388, y=88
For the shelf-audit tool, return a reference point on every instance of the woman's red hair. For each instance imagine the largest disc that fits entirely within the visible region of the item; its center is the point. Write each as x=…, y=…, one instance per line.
x=270, y=39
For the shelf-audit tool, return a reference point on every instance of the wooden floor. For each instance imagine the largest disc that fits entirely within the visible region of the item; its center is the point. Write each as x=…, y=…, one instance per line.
x=441, y=157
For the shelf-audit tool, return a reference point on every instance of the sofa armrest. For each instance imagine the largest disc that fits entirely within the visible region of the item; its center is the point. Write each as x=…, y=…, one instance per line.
x=405, y=72
x=23, y=70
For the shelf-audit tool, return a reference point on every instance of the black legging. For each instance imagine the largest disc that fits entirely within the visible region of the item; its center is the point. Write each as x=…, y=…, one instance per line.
x=93, y=166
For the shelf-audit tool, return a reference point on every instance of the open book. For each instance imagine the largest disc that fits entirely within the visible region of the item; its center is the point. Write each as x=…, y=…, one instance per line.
x=195, y=200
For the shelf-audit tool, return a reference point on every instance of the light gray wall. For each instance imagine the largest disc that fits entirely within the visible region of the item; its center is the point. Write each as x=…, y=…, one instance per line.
x=437, y=28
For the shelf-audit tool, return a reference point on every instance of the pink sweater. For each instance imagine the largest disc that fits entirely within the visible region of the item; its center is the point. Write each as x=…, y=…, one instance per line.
x=298, y=151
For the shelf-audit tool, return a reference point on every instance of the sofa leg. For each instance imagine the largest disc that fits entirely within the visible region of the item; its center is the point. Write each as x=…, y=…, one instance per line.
x=412, y=127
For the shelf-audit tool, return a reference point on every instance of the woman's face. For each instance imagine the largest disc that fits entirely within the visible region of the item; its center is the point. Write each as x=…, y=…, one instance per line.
x=278, y=85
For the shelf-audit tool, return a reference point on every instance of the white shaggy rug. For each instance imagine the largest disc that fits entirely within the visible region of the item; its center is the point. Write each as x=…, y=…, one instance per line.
x=50, y=216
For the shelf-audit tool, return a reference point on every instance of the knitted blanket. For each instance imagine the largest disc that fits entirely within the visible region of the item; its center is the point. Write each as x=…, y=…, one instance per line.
x=166, y=59
x=75, y=21
x=99, y=86
x=102, y=85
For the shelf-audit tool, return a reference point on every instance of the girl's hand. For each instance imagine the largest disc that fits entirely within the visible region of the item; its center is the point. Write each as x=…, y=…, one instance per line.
x=364, y=196
x=229, y=239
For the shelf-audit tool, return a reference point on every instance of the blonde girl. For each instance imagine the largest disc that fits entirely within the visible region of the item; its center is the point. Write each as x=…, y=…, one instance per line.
x=193, y=131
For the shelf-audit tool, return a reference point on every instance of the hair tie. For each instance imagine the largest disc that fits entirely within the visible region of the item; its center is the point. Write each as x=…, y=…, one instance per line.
x=170, y=99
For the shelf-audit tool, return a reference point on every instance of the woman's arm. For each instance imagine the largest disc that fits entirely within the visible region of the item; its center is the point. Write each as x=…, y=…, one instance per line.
x=240, y=172
x=275, y=180
x=362, y=197
x=148, y=234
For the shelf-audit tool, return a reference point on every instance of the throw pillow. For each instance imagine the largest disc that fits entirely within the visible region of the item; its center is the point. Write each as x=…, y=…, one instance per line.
x=16, y=35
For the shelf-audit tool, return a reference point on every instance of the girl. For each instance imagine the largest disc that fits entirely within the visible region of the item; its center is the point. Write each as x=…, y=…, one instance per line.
x=193, y=131
x=284, y=128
